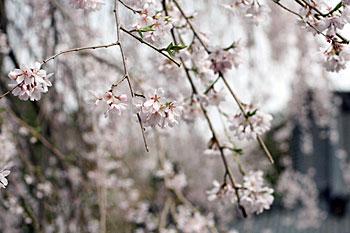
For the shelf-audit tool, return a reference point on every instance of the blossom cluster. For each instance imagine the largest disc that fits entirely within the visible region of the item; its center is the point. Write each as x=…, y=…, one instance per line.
x=192, y=110
x=224, y=59
x=116, y=103
x=252, y=9
x=300, y=190
x=218, y=61
x=329, y=24
x=173, y=180
x=30, y=82
x=156, y=112
x=152, y=24
x=250, y=125
x=213, y=97
x=254, y=196
x=190, y=221
x=90, y=5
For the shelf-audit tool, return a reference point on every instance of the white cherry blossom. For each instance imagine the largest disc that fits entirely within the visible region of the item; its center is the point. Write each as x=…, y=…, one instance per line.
x=248, y=127
x=30, y=82
x=3, y=179
x=116, y=103
x=157, y=111
x=254, y=196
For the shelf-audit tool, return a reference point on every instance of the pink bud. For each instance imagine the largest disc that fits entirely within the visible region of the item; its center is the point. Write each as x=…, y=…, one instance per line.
x=123, y=98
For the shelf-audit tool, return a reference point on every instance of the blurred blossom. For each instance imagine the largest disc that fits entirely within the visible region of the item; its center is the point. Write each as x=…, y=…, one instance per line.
x=256, y=123
x=254, y=10
x=4, y=48
x=89, y=5
x=189, y=221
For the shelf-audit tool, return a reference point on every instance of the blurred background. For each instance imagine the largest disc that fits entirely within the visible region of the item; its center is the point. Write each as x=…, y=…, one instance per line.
x=73, y=170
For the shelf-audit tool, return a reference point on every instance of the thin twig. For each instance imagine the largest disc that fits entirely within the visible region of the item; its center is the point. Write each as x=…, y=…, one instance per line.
x=150, y=45
x=9, y=91
x=211, y=127
x=196, y=34
x=241, y=107
x=39, y=136
x=217, y=142
x=126, y=75
x=211, y=86
x=130, y=8
x=80, y=49
x=164, y=214
x=239, y=103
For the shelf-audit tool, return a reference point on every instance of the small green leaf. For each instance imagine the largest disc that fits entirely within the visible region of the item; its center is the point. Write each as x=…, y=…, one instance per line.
x=146, y=29
x=173, y=48
x=232, y=46
x=250, y=114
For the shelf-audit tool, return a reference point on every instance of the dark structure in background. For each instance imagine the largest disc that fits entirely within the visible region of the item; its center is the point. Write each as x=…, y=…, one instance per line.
x=323, y=159
x=334, y=194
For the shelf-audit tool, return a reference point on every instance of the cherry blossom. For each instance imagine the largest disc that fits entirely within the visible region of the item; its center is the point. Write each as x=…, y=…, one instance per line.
x=199, y=60
x=152, y=24
x=116, y=103
x=30, y=82
x=336, y=58
x=215, y=97
x=3, y=180
x=257, y=12
x=248, y=127
x=124, y=188
x=177, y=182
x=300, y=190
x=192, y=110
x=254, y=196
x=173, y=180
x=189, y=221
x=220, y=191
x=222, y=60
x=156, y=111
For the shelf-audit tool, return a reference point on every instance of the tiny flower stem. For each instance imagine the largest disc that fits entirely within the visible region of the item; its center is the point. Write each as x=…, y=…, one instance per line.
x=264, y=148
x=211, y=86
x=114, y=85
x=150, y=45
x=196, y=34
